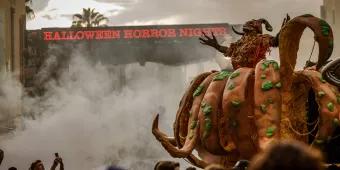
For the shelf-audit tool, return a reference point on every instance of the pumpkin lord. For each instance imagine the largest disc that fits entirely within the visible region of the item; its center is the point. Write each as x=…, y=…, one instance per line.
x=231, y=115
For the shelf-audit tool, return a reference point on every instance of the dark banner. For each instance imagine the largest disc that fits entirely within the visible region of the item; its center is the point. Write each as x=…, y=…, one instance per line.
x=166, y=44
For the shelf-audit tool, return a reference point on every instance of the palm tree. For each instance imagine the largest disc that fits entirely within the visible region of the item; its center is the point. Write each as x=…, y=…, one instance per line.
x=29, y=11
x=89, y=18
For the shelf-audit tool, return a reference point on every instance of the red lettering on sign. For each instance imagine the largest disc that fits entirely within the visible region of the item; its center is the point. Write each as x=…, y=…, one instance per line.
x=89, y=35
x=172, y=33
x=128, y=34
x=99, y=35
x=105, y=34
x=63, y=35
x=47, y=36
x=185, y=32
x=197, y=32
x=146, y=34
x=79, y=35
x=137, y=33
x=154, y=33
x=163, y=33
x=115, y=34
x=56, y=36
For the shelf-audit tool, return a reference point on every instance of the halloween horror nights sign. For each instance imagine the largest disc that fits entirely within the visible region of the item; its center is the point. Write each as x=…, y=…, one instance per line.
x=166, y=44
x=132, y=33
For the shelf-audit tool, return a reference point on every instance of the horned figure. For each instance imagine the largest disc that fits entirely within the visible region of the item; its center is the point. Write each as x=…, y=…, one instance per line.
x=251, y=48
x=231, y=115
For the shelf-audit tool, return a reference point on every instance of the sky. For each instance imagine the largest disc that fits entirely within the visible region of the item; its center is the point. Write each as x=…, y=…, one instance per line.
x=58, y=13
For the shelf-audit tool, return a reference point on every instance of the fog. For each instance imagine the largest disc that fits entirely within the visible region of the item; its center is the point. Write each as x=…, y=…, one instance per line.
x=91, y=119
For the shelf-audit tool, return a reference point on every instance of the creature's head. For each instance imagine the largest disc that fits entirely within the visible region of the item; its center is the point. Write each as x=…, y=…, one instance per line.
x=254, y=26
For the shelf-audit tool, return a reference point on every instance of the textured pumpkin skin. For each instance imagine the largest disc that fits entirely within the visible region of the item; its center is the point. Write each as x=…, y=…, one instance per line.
x=228, y=116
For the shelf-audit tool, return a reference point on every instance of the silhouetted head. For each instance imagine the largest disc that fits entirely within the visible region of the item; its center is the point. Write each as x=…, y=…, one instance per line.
x=12, y=168
x=37, y=165
x=287, y=155
x=114, y=168
x=167, y=165
x=191, y=168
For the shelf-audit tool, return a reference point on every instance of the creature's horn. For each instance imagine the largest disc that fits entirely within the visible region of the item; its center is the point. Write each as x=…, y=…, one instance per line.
x=239, y=33
x=266, y=23
x=168, y=143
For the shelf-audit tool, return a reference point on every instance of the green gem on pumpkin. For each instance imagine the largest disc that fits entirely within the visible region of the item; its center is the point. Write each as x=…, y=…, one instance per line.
x=330, y=106
x=198, y=90
x=203, y=104
x=267, y=85
x=208, y=124
x=221, y=75
x=231, y=86
x=236, y=103
x=321, y=93
x=270, y=131
x=338, y=99
x=322, y=80
x=264, y=65
x=325, y=28
x=193, y=124
x=207, y=109
x=275, y=65
x=234, y=74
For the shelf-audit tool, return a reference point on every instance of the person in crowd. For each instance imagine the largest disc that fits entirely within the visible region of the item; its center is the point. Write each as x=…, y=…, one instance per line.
x=114, y=168
x=191, y=168
x=58, y=161
x=1, y=155
x=38, y=165
x=12, y=168
x=167, y=165
x=287, y=155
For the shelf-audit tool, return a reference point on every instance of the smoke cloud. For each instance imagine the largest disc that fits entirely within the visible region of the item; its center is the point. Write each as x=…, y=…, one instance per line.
x=91, y=119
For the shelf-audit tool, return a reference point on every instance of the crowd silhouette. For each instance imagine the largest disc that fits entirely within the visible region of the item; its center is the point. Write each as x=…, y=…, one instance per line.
x=280, y=155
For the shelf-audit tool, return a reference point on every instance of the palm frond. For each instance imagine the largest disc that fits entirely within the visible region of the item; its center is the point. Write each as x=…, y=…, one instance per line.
x=29, y=12
x=89, y=18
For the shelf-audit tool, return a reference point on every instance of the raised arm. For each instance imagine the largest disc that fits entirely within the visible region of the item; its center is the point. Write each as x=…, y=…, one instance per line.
x=222, y=61
x=57, y=161
x=206, y=40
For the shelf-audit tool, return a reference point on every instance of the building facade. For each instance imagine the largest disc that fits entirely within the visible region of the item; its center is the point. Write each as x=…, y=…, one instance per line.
x=330, y=11
x=12, y=29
